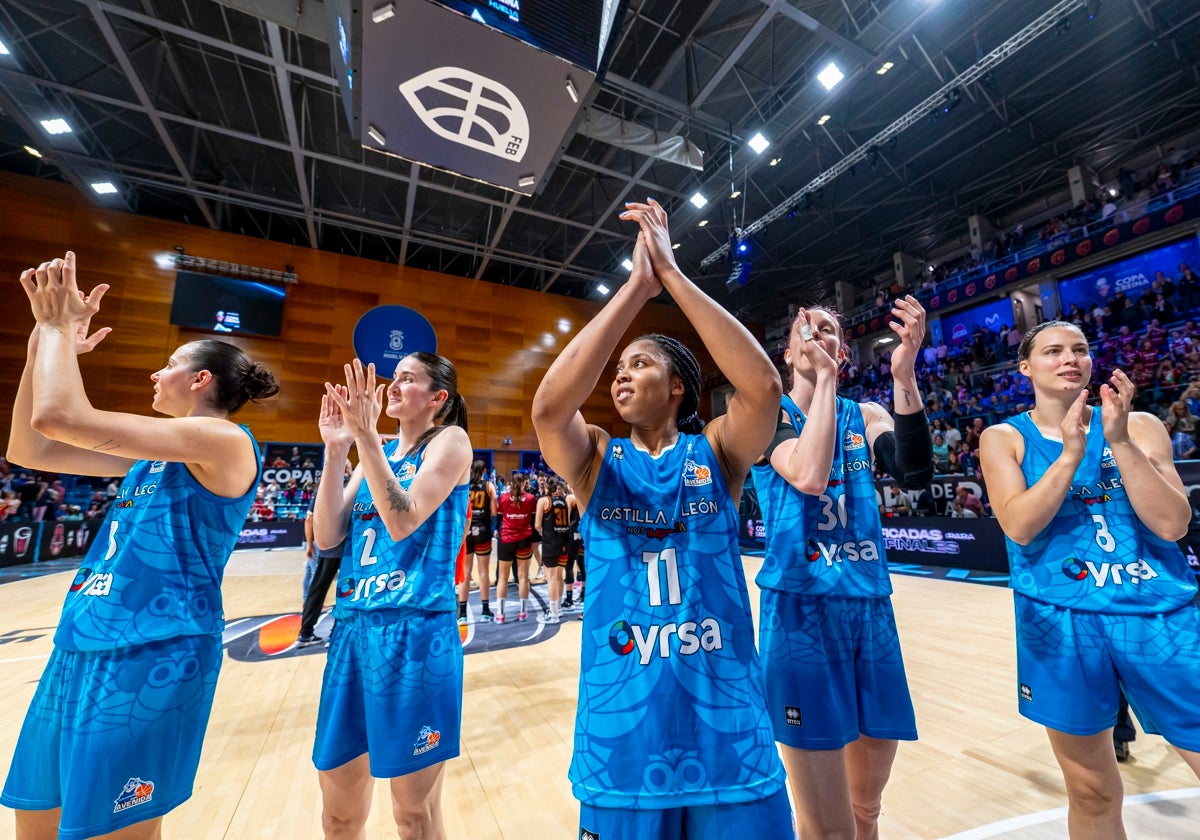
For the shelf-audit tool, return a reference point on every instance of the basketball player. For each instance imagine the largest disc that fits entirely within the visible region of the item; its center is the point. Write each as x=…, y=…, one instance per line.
x=482, y=495
x=391, y=698
x=517, y=507
x=1091, y=506
x=836, y=686
x=672, y=737
x=575, y=578
x=112, y=739
x=553, y=521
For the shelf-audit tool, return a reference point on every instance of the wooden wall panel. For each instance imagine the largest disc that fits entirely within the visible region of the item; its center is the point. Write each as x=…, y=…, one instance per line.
x=501, y=339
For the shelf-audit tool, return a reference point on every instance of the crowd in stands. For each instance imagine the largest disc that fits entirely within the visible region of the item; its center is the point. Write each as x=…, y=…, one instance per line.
x=1110, y=205
x=28, y=496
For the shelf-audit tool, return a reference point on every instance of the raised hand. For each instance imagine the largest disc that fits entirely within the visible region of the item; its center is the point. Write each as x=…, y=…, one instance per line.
x=84, y=343
x=910, y=328
x=1074, y=430
x=54, y=296
x=360, y=402
x=643, y=270
x=652, y=219
x=1116, y=401
x=334, y=431
x=811, y=348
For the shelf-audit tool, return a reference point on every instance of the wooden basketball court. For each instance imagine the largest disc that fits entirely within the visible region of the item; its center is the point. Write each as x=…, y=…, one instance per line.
x=979, y=770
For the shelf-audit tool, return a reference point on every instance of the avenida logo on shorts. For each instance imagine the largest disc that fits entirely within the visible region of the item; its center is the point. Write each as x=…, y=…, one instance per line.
x=427, y=740
x=624, y=638
x=136, y=792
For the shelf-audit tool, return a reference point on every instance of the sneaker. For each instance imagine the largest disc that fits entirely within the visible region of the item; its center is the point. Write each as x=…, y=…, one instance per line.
x=522, y=616
x=462, y=620
x=309, y=640
x=568, y=602
x=499, y=618
x=548, y=618
x=485, y=617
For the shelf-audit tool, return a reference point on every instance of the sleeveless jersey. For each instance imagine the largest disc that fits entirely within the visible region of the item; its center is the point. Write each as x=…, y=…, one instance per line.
x=1095, y=555
x=559, y=520
x=831, y=544
x=671, y=707
x=481, y=510
x=155, y=569
x=416, y=572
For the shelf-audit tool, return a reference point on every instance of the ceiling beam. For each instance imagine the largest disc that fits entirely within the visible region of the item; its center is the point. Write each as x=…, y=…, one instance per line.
x=284, y=86
x=139, y=90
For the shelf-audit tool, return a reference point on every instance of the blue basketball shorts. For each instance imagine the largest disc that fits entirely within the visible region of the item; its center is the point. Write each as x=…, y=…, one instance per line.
x=761, y=819
x=393, y=690
x=114, y=737
x=1072, y=664
x=833, y=670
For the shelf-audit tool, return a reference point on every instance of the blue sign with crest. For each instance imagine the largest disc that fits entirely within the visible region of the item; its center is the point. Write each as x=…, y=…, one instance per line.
x=386, y=334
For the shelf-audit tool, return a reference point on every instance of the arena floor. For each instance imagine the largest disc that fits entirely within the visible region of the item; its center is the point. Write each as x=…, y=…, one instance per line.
x=979, y=770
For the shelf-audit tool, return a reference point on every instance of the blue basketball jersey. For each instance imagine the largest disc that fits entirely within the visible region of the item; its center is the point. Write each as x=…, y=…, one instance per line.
x=1095, y=555
x=831, y=544
x=671, y=708
x=416, y=572
x=154, y=571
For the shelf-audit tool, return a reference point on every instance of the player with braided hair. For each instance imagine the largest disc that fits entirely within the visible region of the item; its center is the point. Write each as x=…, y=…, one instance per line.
x=672, y=737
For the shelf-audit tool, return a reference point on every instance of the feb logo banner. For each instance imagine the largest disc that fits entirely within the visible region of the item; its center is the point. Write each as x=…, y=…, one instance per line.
x=386, y=334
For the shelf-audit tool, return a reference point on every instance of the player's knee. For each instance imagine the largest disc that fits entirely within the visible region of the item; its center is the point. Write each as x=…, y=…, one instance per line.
x=413, y=822
x=344, y=821
x=1095, y=795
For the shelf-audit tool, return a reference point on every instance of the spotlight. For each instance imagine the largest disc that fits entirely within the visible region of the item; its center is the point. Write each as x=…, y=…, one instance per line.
x=743, y=247
x=1093, y=9
x=377, y=135
x=57, y=125
x=830, y=76
x=627, y=264
x=793, y=211
x=602, y=289
x=571, y=92
x=758, y=143
x=698, y=200
x=953, y=97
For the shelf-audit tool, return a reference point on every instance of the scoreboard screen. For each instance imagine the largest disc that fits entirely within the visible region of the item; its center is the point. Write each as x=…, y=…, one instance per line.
x=576, y=30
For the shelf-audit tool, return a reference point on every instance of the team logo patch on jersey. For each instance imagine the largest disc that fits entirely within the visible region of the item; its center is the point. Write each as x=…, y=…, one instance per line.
x=136, y=792
x=852, y=440
x=1026, y=693
x=696, y=475
x=157, y=466
x=427, y=740
x=407, y=472
x=618, y=452
x=1107, y=460
x=792, y=714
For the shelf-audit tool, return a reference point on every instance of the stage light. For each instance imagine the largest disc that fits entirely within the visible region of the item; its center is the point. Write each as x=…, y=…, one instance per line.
x=776, y=161
x=793, y=211
x=627, y=264
x=1093, y=9
x=698, y=200
x=571, y=92
x=883, y=68
x=4, y=49
x=703, y=222
x=830, y=76
x=602, y=289
x=758, y=143
x=675, y=247
x=953, y=97
x=104, y=188
x=33, y=151
x=383, y=12
x=824, y=119
x=735, y=193
x=57, y=126
x=377, y=135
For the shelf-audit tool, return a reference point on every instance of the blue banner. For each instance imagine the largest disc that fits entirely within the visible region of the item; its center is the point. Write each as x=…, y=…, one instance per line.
x=386, y=334
x=958, y=327
x=1131, y=276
